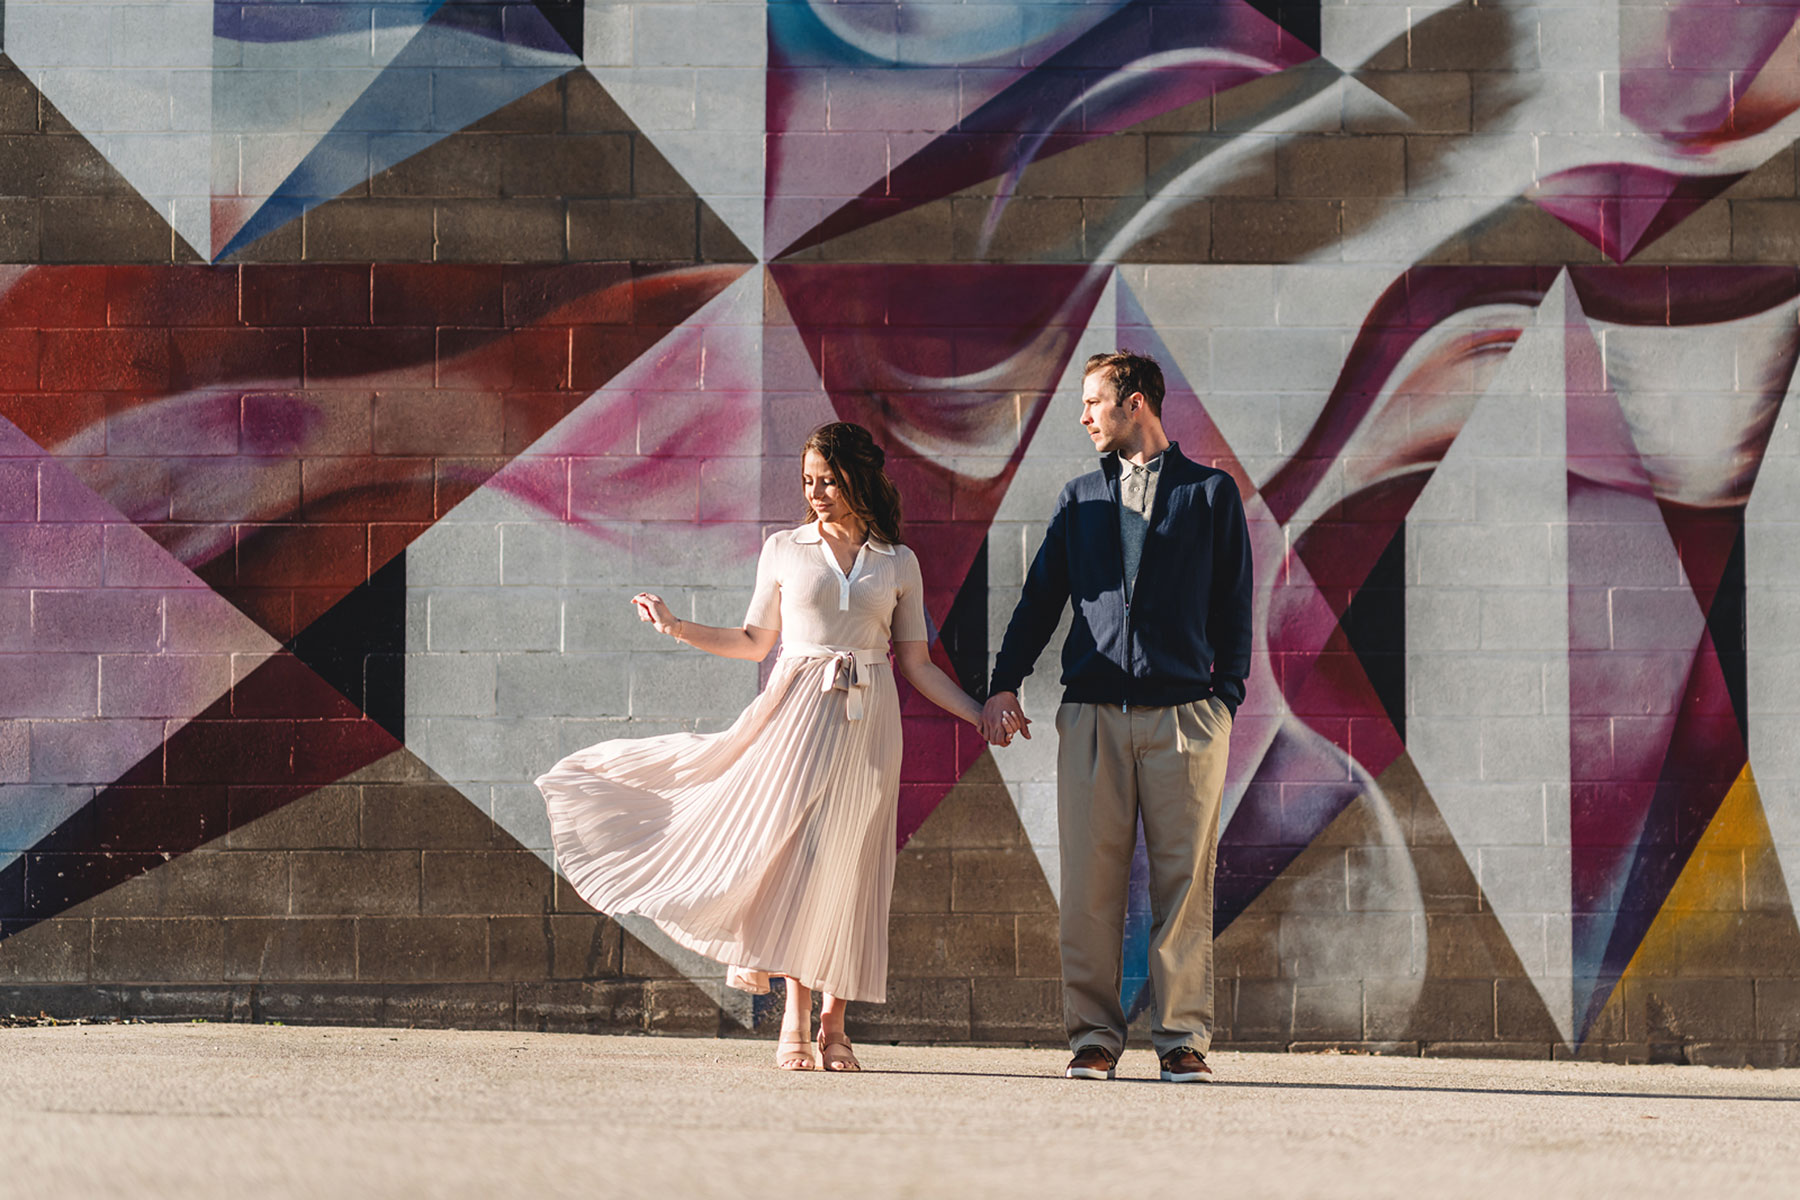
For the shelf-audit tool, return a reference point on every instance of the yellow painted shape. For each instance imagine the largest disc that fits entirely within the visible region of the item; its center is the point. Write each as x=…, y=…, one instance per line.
x=1712, y=881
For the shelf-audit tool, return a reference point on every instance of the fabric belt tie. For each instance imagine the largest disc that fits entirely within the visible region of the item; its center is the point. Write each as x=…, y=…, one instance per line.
x=849, y=671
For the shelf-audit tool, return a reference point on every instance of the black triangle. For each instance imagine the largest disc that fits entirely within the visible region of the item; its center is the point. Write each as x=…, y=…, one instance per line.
x=359, y=646
x=1727, y=621
x=497, y=21
x=965, y=631
x=565, y=16
x=1374, y=623
x=1299, y=17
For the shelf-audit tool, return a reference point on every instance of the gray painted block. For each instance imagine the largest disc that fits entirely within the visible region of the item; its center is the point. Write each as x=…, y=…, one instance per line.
x=562, y=685
x=493, y=619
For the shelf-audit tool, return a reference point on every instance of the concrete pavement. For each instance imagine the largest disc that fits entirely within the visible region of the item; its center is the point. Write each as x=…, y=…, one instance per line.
x=203, y=1111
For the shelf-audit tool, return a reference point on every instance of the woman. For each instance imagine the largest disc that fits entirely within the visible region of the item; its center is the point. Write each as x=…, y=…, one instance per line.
x=770, y=846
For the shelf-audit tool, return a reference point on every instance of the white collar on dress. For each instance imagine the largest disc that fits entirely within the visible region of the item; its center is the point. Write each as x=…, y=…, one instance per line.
x=808, y=534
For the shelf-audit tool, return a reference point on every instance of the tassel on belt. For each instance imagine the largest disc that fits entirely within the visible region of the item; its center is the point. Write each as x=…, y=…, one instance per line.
x=849, y=671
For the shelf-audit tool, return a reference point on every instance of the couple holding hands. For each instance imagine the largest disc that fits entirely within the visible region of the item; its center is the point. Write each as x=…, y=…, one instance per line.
x=770, y=847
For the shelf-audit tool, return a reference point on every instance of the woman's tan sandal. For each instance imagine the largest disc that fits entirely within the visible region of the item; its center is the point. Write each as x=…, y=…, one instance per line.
x=834, y=1048
x=794, y=1053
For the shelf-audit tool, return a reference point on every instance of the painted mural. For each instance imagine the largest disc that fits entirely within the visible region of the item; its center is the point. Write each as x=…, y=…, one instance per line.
x=358, y=360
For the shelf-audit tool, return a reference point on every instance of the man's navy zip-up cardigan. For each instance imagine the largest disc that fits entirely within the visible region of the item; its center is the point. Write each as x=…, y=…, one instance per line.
x=1185, y=633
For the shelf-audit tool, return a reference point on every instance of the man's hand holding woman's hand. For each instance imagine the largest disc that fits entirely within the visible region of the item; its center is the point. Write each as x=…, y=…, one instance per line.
x=1002, y=717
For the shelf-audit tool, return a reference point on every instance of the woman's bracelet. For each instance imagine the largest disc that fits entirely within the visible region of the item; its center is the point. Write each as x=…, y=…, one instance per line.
x=680, y=627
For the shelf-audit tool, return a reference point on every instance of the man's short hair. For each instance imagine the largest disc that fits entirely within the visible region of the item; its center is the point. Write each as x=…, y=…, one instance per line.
x=1129, y=373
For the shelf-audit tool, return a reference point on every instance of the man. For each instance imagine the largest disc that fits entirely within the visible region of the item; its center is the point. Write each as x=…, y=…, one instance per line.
x=1155, y=552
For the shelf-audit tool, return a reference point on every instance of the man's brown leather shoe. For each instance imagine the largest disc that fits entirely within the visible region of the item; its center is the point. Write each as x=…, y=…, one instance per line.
x=1186, y=1065
x=1090, y=1062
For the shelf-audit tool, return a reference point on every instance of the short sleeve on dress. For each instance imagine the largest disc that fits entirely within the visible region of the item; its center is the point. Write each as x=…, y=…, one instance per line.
x=909, y=601
x=765, y=602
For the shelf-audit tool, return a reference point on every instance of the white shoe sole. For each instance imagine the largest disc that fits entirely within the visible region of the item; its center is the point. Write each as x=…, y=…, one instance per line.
x=1187, y=1077
x=1087, y=1073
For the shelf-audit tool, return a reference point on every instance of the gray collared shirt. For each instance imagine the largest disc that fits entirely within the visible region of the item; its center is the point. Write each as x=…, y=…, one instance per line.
x=1137, y=493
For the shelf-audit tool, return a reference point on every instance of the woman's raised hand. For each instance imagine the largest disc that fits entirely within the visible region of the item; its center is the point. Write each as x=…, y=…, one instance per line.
x=650, y=607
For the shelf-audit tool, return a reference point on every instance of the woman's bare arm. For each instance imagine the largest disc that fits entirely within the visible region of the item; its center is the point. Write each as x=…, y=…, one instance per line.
x=750, y=642
x=914, y=660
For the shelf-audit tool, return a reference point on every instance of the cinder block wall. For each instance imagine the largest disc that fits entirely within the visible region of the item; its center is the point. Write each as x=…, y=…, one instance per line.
x=356, y=366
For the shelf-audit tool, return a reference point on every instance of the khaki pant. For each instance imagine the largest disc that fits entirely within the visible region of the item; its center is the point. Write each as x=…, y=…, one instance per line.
x=1113, y=764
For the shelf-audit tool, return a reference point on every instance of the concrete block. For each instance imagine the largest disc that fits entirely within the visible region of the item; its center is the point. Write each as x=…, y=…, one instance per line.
x=516, y=618
x=15, y=751
x=1037, y=948
x=404, y=949
x=161, y=685
x=1523, y=619
x=580, y=1007
x=605, y=621
x=1002, y=881
x=1027, y=1010
x=680, y=35
x=325, y=818
x=930, y=1010
x=1457, y=554
x=922, y=881
x=1778, y=1009
x=1329, y=297
x=459, y=1005
x=158, y=949
x=584, y=946
x=1283, y=360
x=1251, y=422
x=1446, y=749
x=53, y=951
x=457, y=554
x=219, y=883
x=1510, y=874
x=1263, y=1010
x=1315, y=885
x=548, y=553
x=730, y=100
x=1337, y=166
x=1381, y=879
x=1209, y=297
x=519, y=810
x=1719, y=945
x=482, y=750
x=1439, y=1011
x=1498, y=685
x=412, y=816
x=689, y=686
x=641, y=227
x=1315, y=946
x=512, y=230
x=1529, y=749
x=1690, y=1009
x=383, y=228
x=488, y=882
x=981, y=945
x=1256, y=230
x=557, y=685
x=49, y=685
x=1445, y=619
x=1519, y=1011
x=1328, y=1010
x=355, y=882
x=289, y=948
x=51, y=556
x=460, y=685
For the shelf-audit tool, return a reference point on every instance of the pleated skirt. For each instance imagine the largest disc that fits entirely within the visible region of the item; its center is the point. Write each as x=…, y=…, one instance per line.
x=769, y=847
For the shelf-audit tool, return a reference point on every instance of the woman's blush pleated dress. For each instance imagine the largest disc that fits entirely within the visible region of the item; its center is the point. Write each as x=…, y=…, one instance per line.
x=770, y=846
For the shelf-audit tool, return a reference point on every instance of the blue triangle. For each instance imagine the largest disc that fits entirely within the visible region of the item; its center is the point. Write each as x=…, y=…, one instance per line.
x=467, y=61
